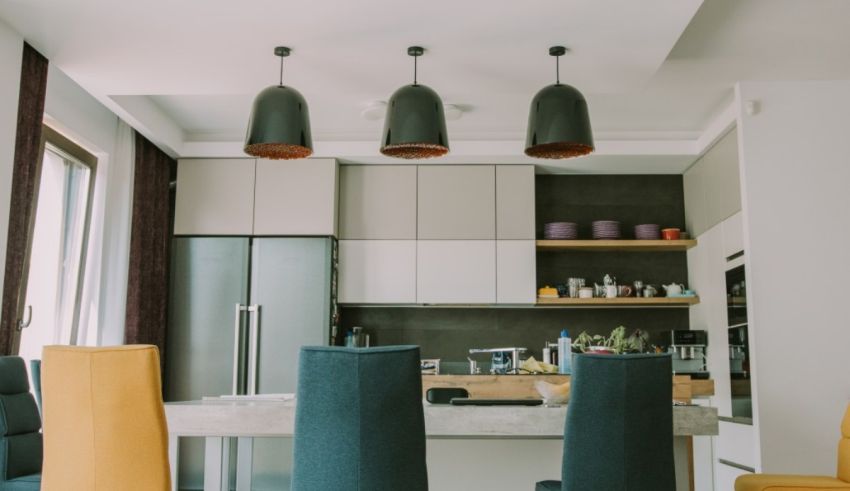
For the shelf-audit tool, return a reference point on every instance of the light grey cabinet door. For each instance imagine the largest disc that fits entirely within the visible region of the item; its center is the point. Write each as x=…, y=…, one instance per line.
x=377, y=271
x=456, y=271
x=209, y=276
x=724, y=182
x=516, y=271
x=457, y=202
x=214, y=197
x=377, y=202
x=291, y=283
x=296, y=197
x=514, y=202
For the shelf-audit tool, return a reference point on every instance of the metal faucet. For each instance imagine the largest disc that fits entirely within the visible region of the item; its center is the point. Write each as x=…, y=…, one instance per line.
x=515, y=362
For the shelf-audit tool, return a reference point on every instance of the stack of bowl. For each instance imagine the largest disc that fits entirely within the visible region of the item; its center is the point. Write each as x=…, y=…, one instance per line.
x=648, y=231
x=606, y=229
x=560, y=231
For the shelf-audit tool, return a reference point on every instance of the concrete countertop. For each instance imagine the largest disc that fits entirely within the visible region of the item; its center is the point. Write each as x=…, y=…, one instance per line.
x=277, y=419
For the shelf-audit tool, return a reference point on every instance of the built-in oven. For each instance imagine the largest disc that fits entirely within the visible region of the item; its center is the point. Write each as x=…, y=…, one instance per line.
x=739, y=339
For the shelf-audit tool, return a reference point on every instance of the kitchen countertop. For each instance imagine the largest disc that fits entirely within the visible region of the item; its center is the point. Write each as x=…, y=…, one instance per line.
x=277, y=419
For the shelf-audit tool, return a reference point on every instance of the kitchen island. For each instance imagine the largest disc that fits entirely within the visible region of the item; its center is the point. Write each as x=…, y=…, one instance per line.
x=508, y=447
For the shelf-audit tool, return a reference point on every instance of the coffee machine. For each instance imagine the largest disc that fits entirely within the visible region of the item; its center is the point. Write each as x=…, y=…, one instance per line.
x=689, y=350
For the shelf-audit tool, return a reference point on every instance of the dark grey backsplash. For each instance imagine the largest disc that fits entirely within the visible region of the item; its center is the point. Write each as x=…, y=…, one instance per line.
x=629, y=199
x=448, y=333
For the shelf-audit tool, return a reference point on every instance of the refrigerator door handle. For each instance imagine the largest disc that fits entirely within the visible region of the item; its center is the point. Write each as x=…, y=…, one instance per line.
x=253, y=347
x=237, y=337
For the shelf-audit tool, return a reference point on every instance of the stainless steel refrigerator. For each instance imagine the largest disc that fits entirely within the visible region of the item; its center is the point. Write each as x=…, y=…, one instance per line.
x=240, y=309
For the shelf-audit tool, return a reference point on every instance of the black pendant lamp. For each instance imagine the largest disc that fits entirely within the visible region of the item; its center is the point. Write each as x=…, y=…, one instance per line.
x=279, y=127
x=415, y=127
x=559, y=124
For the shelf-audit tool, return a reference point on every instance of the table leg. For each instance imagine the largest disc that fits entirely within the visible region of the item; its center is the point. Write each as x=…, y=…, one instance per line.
x=244, y=463
x=217, y=464
x=173, y=458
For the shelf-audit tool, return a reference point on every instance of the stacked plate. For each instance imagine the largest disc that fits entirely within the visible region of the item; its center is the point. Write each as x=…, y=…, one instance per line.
x=648, y=231
x=560, y=231
x=606, y=229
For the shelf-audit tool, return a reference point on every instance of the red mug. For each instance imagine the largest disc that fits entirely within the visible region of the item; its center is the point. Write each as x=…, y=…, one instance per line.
x=670, y=234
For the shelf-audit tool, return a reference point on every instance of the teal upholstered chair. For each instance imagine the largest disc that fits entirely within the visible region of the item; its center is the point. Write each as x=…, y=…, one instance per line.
x=359, y=422
x=35, y=375
x=20, y=438
x=619, y=430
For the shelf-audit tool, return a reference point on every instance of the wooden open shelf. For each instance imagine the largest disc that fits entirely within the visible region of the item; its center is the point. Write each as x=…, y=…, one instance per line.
x=616, y=245
x=620, y=302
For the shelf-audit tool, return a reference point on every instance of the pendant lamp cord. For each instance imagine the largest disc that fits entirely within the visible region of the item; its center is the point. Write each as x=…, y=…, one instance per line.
x=557, y=70
x=415, y=60
x=281, y=72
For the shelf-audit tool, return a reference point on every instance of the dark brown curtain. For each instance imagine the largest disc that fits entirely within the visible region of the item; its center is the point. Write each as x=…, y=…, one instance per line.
x=150, y=238
x=24, y=182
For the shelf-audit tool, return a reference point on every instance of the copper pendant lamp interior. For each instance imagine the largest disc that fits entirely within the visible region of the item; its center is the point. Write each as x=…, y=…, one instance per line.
x=415, y=126
x=279, y=127
x=559, y=122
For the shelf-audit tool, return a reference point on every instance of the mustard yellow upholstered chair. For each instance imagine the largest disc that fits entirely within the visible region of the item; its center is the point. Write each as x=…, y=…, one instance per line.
x=104, y=423
x=774, y=482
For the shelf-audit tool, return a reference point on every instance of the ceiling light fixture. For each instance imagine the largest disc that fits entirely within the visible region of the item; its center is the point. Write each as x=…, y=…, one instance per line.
x=415, y=127
x=279, y=127
x=559, y=124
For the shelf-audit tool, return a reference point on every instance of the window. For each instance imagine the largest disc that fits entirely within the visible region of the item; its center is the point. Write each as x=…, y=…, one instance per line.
x=58, y=243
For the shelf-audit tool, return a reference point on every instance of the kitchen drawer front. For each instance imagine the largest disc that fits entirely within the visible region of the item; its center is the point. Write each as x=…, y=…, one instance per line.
x=516, y=271
x=736, y=443
x=214, y=197
x=377, y=202
x=377, y=271
x=456, y=202
x=296, y=197
x=515, y=202
x=456, y=271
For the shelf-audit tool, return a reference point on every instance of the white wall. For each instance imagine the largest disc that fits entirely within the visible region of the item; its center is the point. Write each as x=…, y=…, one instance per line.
x=80, y=117
x=795, y=172
x=11, y=49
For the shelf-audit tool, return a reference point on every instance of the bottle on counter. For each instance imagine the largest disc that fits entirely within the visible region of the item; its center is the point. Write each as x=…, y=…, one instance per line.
x=565, y=348
x=547, y=354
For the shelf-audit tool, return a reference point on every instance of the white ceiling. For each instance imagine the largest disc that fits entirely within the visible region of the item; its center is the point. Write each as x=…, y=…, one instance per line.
x=655, y=70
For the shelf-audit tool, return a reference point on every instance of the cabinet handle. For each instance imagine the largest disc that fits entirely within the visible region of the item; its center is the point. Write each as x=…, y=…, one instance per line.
x=253, y=348
x=237, y=331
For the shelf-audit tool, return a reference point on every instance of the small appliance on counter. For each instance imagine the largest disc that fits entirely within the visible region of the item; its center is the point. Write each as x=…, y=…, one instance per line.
x=504, y=360
x=356, y=338
x=689, y=349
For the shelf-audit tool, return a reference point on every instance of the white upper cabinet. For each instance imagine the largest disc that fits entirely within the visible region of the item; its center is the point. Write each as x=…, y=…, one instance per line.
x=214, y=197
x=377, y=202
x=377, y=271
x=296, y=197
x=514, y=202
x=712, y=186
x=516, y=271
x=456, y=271
x=457, y=202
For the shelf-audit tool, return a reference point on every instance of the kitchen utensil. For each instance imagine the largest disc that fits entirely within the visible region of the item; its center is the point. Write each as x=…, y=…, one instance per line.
x=674, y=289
x=648, y=231
x=547, y=292
x=585, y=292
x=671, y=234
x=610, y=291
x=638, y=284
x=624, y=291
x=649, y=291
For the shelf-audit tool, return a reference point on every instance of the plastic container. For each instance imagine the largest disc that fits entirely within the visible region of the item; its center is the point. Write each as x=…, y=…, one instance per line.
x=565, y=347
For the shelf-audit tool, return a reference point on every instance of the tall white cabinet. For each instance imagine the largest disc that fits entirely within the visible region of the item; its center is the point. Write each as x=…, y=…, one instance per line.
x=470, y=229
x=256, y=197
